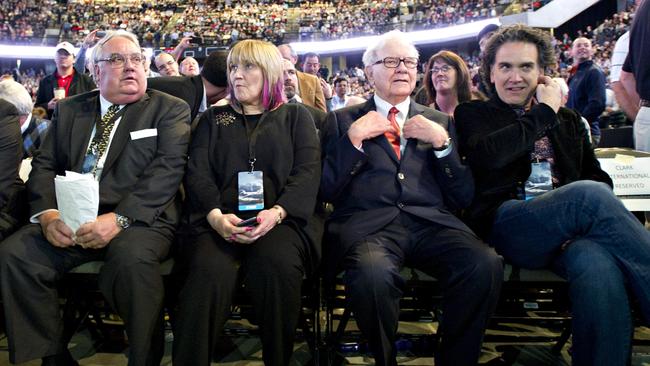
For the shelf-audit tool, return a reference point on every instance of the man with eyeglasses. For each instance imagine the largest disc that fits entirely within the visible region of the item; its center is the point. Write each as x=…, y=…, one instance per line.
x=393, y=173
x=133, y=142
x=64, y=82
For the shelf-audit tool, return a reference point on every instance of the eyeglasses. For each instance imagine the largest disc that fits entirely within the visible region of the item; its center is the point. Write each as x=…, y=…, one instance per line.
x=117, y=60
x=393, y=62
x=444, y=68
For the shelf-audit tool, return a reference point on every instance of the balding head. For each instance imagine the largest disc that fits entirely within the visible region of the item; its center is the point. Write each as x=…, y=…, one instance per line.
x=581, y=50
x=166, y=64
x=288, y=53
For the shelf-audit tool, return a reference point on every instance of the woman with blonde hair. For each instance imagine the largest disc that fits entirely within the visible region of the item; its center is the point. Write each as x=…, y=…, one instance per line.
x=447, y=82
x=251, y=185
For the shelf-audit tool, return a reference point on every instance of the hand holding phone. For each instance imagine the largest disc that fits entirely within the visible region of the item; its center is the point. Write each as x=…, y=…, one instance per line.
x=248, y=222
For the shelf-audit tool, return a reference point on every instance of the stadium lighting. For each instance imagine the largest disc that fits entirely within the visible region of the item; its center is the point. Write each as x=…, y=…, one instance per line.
x=429, y=36
x=424, y=37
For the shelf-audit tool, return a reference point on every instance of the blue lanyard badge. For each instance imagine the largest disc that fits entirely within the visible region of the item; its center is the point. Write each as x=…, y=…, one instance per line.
x=540, y=180
x=251, y=190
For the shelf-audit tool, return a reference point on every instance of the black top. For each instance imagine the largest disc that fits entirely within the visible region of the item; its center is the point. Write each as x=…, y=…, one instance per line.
x=188, y=88
x=639, y=50
x=497, y=145
x=287, y=152
x=11, y=151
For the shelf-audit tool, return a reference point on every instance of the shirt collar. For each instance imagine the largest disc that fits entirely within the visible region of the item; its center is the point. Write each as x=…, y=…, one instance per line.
x=25, y=125
x=105, y=104
x=383, y=107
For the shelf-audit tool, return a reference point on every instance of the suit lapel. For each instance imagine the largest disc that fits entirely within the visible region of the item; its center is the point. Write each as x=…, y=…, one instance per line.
x=85, y=121
x=414, y=110
x=128, y=123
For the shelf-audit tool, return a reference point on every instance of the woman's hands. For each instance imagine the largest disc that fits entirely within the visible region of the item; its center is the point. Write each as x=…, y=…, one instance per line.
x=226, y=224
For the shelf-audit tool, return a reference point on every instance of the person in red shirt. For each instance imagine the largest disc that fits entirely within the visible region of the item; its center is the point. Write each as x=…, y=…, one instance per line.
x=66, y=80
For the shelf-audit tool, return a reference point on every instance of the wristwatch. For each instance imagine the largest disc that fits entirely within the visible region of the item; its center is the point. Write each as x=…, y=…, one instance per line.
x=122, y=221
x=444, y=146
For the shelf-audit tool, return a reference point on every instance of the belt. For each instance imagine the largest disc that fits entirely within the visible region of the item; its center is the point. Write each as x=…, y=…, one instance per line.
x=644, y=103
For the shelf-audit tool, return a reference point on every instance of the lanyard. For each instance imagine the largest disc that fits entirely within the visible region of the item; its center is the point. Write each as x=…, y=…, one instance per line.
x=252, y=139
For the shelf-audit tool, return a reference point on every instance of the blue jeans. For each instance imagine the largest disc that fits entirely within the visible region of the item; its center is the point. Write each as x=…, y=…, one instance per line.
x=584, y=233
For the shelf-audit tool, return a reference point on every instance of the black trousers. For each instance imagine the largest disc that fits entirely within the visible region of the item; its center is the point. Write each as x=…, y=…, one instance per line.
x=272, y=268
x=130, y=280
x=469, y=271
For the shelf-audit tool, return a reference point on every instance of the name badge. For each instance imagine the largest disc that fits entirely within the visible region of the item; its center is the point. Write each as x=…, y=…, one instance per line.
x=140, y=134
x=540, y=180
x=251, y=190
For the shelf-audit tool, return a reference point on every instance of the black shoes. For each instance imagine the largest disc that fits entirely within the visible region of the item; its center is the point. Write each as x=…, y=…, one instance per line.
x=62, y=359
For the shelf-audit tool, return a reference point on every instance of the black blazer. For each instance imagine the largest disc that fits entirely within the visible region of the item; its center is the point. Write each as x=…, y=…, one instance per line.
x=81, y=83
x=140, y=177
x=370, y=188
x=187, y=88
x=287, y=151
x=498, y=144
x=10, y=151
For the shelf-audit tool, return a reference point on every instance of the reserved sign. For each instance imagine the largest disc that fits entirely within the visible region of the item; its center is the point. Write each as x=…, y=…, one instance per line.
x=631, y=176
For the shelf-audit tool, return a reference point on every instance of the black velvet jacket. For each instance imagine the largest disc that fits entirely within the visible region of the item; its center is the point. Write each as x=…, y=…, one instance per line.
x=497, y=145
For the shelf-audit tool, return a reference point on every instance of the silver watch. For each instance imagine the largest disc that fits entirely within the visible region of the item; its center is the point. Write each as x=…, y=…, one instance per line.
x=123, y=221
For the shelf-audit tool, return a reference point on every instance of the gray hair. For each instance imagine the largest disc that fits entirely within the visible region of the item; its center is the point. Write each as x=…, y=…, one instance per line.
x=16, y=94
x=97, y=50
x=371, y=54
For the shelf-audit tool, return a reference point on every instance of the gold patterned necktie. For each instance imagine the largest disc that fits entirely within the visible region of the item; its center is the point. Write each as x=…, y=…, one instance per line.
x=393, y=136
x=99, y=143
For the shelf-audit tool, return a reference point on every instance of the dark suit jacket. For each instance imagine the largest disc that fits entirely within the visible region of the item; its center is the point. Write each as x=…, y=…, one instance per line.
x=140, y=177
x=370, y=188
x=81, y=83
x=498, y=144
x=310, y=91
x=188, y=88
x=10, y=151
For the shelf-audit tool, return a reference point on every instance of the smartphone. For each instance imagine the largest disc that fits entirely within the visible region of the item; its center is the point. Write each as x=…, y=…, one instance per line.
x=248, y=222
x=100, y=34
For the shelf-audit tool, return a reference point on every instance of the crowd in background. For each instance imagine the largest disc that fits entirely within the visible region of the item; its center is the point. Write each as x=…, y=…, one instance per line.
x=228, y=21
x=220, y=22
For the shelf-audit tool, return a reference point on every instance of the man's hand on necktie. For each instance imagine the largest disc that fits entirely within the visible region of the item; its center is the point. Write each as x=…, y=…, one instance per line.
x=371, y=125
x=55, y=230
x=418, y=127
x=99, y=233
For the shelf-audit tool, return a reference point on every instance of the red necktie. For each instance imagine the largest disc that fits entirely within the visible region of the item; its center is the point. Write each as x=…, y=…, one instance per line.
x=393, y=136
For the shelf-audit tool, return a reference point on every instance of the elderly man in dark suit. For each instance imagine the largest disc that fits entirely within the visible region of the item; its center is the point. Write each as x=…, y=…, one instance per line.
x=134, y=142
x=394, y=175
x=10, y=156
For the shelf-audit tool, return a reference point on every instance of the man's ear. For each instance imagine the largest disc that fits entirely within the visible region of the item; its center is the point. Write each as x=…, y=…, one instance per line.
x=369, y=75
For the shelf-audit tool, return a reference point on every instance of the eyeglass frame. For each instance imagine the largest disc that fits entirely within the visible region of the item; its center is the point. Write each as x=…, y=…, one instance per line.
x=399, y=61
x=112, y=61
x=444, y=68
